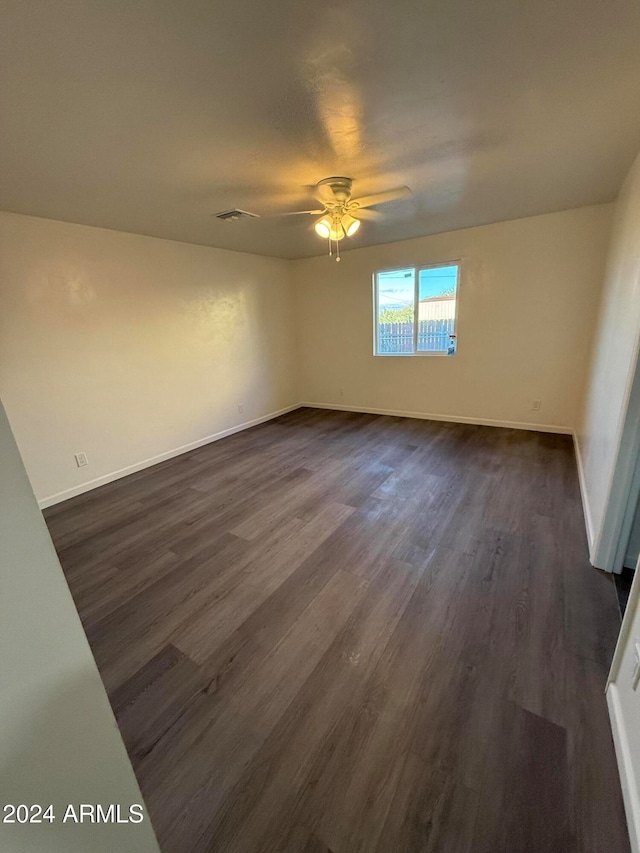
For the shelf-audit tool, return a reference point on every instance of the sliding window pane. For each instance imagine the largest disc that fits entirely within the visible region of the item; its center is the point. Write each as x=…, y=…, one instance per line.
x=437, y=288
x=396, y=311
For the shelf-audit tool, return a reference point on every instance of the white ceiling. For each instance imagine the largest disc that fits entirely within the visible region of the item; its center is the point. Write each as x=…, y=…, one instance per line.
x=151, y=115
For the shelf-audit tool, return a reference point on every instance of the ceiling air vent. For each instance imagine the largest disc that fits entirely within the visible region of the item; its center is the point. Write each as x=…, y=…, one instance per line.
x=235, y=215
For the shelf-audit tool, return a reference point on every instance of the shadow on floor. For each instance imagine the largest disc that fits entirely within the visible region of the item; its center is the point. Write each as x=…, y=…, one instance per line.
x=623, y=586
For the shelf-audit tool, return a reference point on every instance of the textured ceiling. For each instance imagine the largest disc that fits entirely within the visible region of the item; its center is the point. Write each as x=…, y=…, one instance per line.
x=151, y=115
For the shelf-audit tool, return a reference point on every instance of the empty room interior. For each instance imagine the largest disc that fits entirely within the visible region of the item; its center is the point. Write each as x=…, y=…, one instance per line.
x=320, y=426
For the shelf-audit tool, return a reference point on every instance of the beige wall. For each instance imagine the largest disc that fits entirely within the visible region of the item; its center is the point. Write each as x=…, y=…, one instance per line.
x=613, y=359
x=131, y=348
x=59, y=742
x=527, y=306
x=128, y=347
x=607, y=436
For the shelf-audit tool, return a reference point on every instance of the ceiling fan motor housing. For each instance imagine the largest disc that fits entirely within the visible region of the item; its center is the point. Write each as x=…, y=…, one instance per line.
x=340, y=187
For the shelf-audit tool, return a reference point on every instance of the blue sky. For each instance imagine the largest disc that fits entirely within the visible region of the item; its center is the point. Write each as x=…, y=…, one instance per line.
x=396, y=288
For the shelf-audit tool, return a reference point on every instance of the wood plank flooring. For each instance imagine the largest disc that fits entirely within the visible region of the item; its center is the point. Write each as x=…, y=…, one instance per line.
x=339, y=632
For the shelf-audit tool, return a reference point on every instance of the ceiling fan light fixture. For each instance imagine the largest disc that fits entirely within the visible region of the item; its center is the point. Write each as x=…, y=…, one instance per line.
x=323, y=227
x=350, y=224
x=337, y=230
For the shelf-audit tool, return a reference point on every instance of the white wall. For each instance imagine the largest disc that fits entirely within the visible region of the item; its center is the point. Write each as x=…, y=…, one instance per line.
x=128, y=347
x=527, y=306
x=612, y=368
x=59, y=742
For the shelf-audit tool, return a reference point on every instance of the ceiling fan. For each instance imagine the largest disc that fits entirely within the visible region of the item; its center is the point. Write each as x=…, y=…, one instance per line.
x=340, y=215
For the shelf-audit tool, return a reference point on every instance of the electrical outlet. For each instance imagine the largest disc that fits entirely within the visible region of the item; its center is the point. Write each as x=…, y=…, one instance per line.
x=81, y=460
x=241, y=408
x=535, y=405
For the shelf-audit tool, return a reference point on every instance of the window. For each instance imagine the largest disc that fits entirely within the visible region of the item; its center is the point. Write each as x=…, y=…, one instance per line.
x=415, y=310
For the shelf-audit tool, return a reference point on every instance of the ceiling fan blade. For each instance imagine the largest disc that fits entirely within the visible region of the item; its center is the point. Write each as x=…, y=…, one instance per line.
x=323, y=193
x=368, y=215
x=302, y=212
x=383, y=198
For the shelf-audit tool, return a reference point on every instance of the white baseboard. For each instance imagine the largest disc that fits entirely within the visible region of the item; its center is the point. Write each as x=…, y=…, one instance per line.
x=153, y=460
x=169, y=454
x=456, y=419
x=584, y=494
x=625, y=767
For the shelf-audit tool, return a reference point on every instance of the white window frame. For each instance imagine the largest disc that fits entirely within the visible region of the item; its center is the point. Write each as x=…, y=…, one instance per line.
x=416, y=301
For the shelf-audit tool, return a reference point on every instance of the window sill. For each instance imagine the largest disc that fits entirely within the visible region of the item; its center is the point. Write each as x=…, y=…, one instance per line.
x=413, y=355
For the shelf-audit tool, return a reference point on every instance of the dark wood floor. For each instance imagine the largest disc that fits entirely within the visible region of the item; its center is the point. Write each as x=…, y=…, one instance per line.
x=343, y=632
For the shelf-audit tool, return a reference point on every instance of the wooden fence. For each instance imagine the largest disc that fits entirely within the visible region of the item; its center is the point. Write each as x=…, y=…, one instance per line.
x=433, y=336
